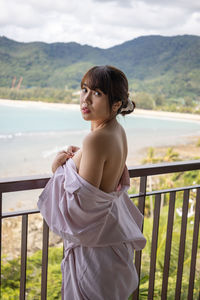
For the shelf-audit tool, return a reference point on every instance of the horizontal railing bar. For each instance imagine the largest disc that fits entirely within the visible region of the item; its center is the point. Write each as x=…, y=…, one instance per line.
x=153, y=193
x=20, y=213
x=39, y=181
x=23, y=183
x=163, y=168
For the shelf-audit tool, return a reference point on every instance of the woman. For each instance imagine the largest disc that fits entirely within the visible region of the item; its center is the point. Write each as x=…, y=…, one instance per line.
x=86, y=200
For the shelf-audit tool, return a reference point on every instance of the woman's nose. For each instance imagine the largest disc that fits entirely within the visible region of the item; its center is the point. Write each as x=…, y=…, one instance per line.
x=88, y=97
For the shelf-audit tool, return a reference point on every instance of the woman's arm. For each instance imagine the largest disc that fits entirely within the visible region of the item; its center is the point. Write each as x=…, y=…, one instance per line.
x=63, y=156
x=93, y=159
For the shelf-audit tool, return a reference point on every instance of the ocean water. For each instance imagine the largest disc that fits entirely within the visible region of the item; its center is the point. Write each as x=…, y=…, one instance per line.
x=32, y=133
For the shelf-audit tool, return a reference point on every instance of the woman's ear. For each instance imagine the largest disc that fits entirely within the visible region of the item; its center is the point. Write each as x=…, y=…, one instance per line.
x=116, y=106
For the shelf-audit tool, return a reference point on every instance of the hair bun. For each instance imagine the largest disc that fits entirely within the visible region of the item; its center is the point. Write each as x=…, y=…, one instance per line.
x=129, y=108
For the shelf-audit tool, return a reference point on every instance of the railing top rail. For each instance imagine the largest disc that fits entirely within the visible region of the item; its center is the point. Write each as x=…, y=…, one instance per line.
x=23, y=183
x=164, y=168
x=39, y=181
x=20, y=213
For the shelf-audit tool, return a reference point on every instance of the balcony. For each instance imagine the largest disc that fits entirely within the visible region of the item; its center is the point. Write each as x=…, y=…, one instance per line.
x=169, y=265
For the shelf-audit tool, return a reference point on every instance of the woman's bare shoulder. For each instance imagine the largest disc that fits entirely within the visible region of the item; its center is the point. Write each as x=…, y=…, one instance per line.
x=103, y=140
x=96, y=138
x=92, y=159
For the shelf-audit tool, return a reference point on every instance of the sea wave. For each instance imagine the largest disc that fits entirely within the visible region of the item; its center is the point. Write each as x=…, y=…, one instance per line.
x=6, y=136
x=9, y=136
x=56, y=149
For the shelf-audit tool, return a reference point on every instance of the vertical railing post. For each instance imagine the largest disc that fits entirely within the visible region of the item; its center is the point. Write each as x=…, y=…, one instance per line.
x=194, y=246
x=168, y=245
x=23, y=256
x=154, y=244
x=138, y=254
x=0, y=236
x=45, y=246
x=182, y=245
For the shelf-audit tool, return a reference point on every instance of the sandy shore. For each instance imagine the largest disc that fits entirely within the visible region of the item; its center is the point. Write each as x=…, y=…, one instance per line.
x=168, y=115
x=139, y=112
x=189, y=150
x=26, y=103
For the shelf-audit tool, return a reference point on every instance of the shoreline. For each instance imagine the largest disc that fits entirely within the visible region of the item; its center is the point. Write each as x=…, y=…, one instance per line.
x=137, y=112
x=29, y=103
x=167, y=114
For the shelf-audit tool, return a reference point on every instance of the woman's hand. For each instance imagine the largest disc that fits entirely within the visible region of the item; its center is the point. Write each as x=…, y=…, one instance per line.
x=63, y=156
x=73, y=149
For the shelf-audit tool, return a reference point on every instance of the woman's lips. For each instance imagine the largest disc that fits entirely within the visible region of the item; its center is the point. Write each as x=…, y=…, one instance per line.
x=85, y=110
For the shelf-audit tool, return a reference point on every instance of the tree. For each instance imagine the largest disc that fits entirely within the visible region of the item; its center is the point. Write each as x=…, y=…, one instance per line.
x=170, y=155
x=198, y=143
x=159, y=100
x=188, y=102
x=144, y=100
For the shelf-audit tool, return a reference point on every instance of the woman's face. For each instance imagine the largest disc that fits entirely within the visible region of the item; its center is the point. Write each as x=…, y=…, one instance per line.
x=94, y=104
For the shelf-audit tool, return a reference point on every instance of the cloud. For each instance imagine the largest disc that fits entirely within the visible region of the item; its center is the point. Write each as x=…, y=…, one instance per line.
x=193, y=5
x=101, y=23
x=122, y=3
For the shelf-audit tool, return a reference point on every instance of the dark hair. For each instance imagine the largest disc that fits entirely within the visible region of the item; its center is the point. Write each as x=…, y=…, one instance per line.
x=112, y=82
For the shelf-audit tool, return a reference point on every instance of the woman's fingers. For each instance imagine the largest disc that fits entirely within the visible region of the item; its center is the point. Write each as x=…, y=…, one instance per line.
x=66, y=152
x=63, y=156
x=70, y=150
x=73, y=149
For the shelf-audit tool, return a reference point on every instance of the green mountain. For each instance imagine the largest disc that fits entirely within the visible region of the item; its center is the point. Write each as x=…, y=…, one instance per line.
x=153, y=64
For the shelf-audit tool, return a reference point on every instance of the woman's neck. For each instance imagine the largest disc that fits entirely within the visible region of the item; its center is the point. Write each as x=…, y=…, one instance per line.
x=95, y=125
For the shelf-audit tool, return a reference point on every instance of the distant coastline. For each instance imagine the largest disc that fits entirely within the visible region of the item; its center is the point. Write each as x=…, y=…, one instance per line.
x=139, y=112
x=37, y=103
x=168, y=114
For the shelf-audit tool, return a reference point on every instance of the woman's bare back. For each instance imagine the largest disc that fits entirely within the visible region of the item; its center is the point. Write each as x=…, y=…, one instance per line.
x=113, y=146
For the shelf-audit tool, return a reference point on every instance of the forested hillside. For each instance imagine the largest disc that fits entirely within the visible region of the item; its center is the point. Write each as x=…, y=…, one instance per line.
x=154, y=64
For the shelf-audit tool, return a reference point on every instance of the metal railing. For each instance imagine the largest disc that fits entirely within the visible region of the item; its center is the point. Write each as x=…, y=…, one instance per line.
x=143, y=172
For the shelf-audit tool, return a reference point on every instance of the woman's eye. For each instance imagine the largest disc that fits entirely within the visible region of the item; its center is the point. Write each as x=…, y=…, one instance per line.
x=97, y=93
x=84, y=90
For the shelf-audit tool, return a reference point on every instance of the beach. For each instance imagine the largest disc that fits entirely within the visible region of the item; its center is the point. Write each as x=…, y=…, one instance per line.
x=167, y=114
x=29, y=103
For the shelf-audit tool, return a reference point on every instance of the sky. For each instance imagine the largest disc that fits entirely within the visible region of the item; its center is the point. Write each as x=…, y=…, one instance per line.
x=98, y=23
